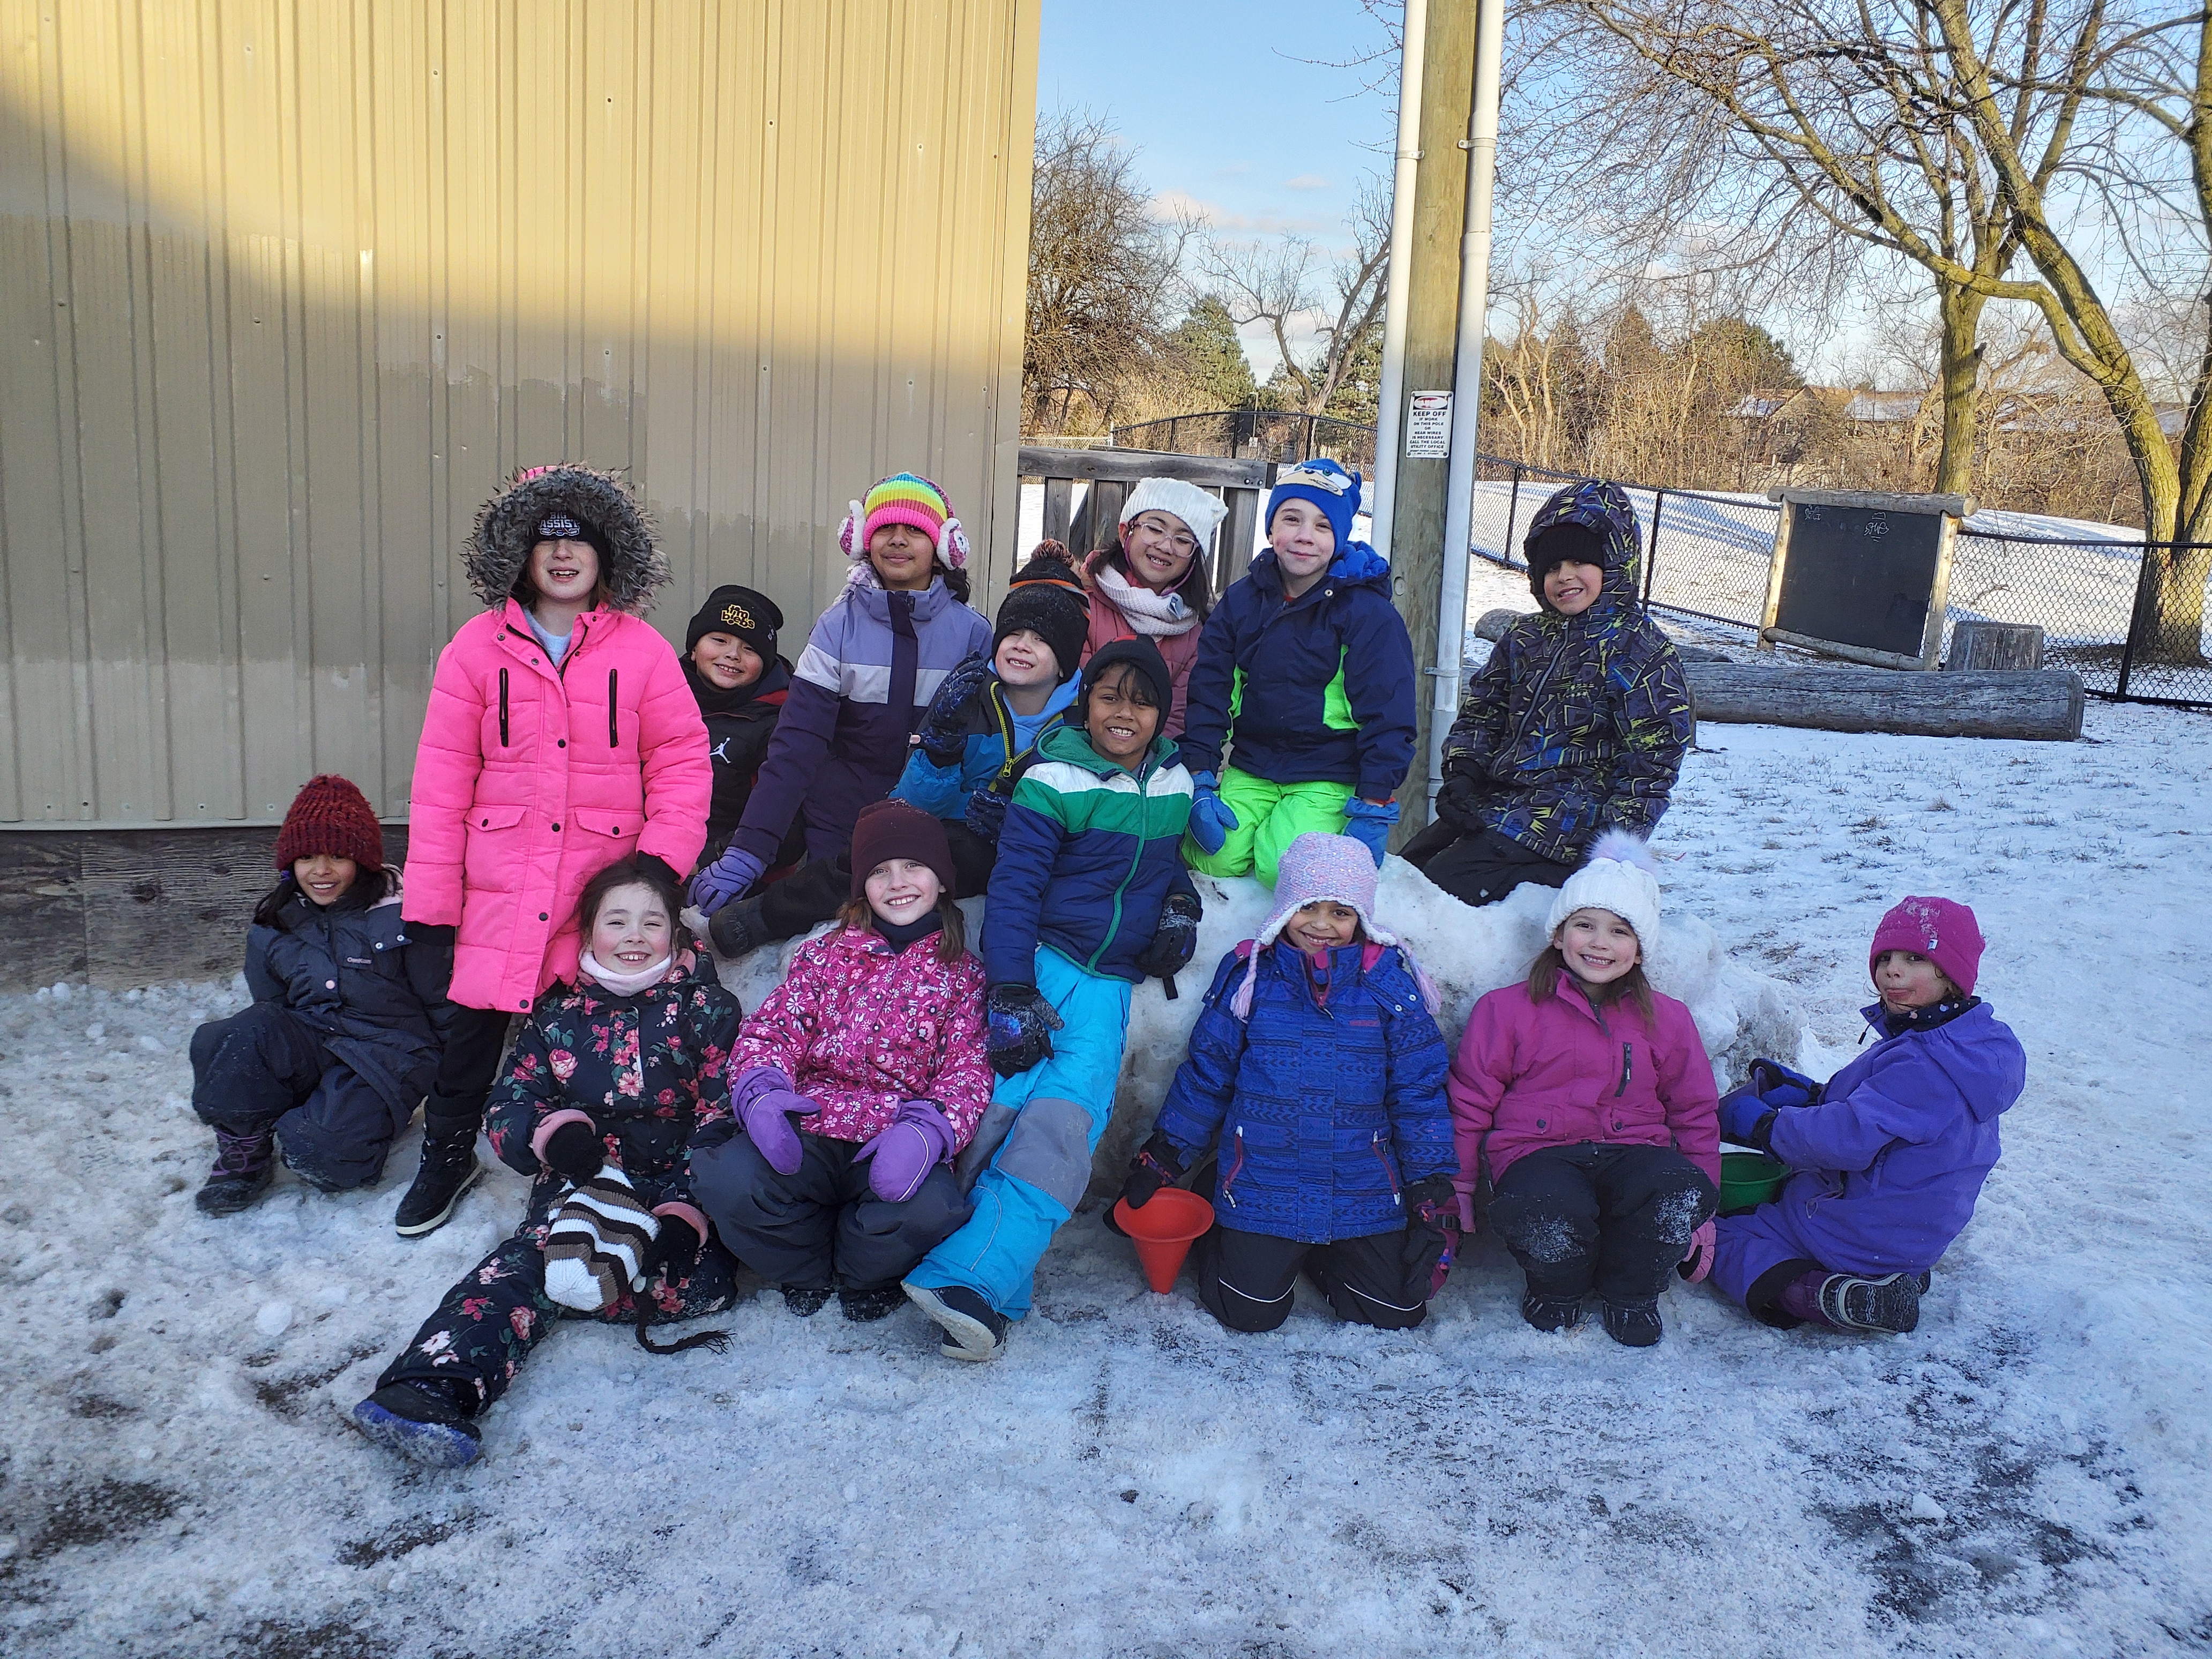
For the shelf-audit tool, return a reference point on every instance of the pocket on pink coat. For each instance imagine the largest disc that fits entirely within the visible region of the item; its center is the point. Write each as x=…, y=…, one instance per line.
x=619, y=830
x=495, y=846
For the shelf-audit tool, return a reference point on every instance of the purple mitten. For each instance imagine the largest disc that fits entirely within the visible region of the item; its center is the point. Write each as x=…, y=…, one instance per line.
x=725, y=878
x=901, y=1158
x=766, y=1105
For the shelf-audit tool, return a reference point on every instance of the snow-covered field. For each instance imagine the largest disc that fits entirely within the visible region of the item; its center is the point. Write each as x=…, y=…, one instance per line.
x=2025, y=1474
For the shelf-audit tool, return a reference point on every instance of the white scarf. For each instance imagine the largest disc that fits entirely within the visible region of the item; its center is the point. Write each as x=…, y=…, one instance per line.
x=627, y=985
x=1162, y=615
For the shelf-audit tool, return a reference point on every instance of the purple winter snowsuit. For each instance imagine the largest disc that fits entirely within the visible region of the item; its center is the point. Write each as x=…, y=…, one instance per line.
x=1888, y=1164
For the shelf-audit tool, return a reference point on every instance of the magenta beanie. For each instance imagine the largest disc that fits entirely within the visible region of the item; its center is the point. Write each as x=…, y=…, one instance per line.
x=1942, y=930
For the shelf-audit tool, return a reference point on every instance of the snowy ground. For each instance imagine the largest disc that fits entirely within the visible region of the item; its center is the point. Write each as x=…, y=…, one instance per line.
x=2024, y=1476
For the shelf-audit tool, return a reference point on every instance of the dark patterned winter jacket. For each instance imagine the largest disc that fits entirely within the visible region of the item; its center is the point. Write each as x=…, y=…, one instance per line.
x=739, y=725
x=1576, y=724
x=647, y=1070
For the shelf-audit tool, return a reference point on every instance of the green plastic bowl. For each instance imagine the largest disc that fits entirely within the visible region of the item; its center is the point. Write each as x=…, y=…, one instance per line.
x=1749, y=1180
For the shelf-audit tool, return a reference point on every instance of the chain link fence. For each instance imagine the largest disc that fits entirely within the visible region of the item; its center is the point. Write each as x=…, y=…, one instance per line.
x=1257, y=434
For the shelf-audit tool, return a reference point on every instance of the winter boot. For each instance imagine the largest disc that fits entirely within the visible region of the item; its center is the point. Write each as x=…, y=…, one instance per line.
x=805, y=1300
x=977, y=1329
x=244, y=1167
x=865, y=1307
x=738, y=928
x=1551, y=1313
x=1634, y=1324
x=1891, y=1302
x=420, y=1421
x=449, y=1170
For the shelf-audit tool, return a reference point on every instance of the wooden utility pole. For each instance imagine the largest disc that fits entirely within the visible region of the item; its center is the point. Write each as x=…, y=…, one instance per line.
x=1417, y=532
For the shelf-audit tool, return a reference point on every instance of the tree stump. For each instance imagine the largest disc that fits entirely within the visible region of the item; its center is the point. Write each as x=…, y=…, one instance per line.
x=1993, y=645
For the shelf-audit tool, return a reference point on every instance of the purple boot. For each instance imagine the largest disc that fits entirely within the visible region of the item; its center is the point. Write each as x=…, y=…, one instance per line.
x=245, y=1164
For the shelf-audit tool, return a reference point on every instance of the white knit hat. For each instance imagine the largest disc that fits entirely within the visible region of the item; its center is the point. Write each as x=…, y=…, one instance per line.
x=1201, y=511
x=1619, y=878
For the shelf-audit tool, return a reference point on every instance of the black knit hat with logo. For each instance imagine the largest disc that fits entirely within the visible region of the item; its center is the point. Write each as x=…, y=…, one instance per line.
x=750, y=616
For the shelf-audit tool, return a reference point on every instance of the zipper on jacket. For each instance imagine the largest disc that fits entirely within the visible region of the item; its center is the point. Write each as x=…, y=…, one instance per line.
x=1375, y=1145
x=1535, y=694
x=613, y=730
x=503, y=742
x=1628, y=1068
x=1229, y=1180
x=1113, y=922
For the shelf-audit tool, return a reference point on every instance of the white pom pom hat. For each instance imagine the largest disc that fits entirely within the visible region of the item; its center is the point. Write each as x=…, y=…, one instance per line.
x=1619, y=878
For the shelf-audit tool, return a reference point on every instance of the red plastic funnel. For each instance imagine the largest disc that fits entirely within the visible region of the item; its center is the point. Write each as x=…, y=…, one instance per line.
x=1163, y=1230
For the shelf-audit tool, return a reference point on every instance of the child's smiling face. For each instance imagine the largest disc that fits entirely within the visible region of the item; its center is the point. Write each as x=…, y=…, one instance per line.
x=905, y=556
x=726, y=661
x=1119, y=727
x=1598, y=945
x=1908, y=981
x=1160, y=547
x=632, y=930
x=1324, y=925
x=564, y=572
x=1304, y=541
x=1023, y=660
x=325, y=878
x=1571, y=587
x=901, y=891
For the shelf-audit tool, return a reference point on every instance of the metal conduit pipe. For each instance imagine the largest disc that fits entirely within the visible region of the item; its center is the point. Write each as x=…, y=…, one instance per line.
x=1383, y=480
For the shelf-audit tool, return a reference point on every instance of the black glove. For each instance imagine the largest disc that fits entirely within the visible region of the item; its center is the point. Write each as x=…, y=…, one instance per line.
x=986, y=812
x=943, y=731
x=1159, y=1163
x=574, y=1152
x=1431, y=1233
x=430, y=933
x=1464, y=787
x=652, y=864
x=1174, y=940
x=674, y=1251
x=1017, y=1028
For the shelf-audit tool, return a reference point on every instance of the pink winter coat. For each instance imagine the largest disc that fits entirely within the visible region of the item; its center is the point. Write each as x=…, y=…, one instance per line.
x=1561, y=1072
x=1108, y=625
x=529, y=781
x=859, y=1028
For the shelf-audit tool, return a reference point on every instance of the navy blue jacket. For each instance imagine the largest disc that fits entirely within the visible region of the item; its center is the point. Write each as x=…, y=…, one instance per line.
x=1320, y=689
x=1323, y=1110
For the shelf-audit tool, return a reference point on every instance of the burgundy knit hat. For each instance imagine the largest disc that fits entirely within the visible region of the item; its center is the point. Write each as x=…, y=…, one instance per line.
x=330, y=815
x=893, y=829
x=1941, y=929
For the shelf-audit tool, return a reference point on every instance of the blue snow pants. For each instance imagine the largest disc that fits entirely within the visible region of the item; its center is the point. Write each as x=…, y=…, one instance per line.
x=1038, y=1177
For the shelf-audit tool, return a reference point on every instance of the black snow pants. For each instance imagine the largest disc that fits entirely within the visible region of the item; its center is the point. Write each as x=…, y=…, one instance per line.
x=1615, y=1219
x=822, y=1225
x=266, y=1068
x=1247, y=1280
x=487, y=1324
x=467, y=1066
x=1480, y=866
x=813, y=893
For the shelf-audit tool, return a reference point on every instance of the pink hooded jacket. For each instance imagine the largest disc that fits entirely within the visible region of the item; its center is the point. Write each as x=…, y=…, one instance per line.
x=1529, y=1076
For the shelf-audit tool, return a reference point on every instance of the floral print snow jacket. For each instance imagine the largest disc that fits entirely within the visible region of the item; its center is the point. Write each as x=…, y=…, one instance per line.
x=647, y=1070
x=859, y=1028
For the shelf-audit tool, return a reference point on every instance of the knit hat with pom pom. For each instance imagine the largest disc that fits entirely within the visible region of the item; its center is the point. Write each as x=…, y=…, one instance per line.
x=330, y=815
x=1620, y=878
x=1337, y=868
x=1048, y=598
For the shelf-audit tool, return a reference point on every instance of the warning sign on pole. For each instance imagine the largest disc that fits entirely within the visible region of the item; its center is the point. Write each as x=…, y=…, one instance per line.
x=1428, y=427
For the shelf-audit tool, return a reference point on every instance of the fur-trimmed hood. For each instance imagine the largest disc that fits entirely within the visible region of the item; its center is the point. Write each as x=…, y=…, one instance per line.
x=615, y=521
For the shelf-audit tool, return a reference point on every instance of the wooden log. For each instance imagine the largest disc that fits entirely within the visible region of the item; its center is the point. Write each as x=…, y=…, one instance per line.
x=1492, y=624
x=2042, y=704
x=1995, y=645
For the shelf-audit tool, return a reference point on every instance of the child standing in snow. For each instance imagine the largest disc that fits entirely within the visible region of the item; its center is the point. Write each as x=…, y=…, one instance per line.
x=1318, y=1072
x=1577, y=725
x=349, y=1010
x=609, y=1077
x=1153, y=580
x=1585, y=1101
x=872, y=663
x=1890, y=1154
x=1089, y=897
x=1304, y=668
x=857, y=1083
x=739, y=682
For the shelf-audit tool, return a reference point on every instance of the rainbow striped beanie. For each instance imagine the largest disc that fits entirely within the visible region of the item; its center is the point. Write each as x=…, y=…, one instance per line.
x=905, y=498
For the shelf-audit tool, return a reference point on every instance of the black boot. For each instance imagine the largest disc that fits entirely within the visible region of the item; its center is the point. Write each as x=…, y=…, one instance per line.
x=244, y=1167
x=805, y=1300
x=1889, y=1302
x=1634, y=1324
x=449, y=1170
x=738, y=928
x=420, y=1421
x=1551, y=1313
x=862, y=1307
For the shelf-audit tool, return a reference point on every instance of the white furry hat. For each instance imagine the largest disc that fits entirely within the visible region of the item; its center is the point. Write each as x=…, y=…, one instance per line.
x=1619, y=878
x=1201, y=511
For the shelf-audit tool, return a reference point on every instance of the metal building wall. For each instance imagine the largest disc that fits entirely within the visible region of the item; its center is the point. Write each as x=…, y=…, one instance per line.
x=287, y=288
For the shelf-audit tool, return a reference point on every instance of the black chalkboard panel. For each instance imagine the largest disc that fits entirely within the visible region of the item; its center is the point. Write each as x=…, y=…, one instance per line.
x=1860, y=576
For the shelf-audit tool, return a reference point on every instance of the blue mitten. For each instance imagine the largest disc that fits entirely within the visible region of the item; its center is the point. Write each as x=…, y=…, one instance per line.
x=725, y=878
x=1368, y=821
x=1211, y=820
x=1746, y=1119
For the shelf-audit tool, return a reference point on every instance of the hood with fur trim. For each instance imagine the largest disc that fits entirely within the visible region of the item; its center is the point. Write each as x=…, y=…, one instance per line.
x=616, y=522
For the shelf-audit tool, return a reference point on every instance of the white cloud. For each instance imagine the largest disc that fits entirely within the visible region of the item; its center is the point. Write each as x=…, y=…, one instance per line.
x=1167, y=203
x=1307, y=181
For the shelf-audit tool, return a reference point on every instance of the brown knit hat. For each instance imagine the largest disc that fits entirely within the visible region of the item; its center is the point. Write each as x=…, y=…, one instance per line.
x=330, y=815
x=893, y=829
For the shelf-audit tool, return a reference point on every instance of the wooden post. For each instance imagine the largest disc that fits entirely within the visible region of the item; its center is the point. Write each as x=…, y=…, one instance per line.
x=1417, y=528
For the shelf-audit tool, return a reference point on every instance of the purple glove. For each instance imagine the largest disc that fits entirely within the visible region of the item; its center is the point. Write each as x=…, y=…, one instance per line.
x=766, y=1105
x=724, y=879
x=1700, y=1261
x=901, y=1158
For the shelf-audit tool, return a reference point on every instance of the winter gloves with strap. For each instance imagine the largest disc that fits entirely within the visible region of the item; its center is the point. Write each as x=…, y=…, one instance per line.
x=767, y=1105
x=1159, y=1163
x=943, y=733
x=1211, y=820
x=1432, y=1233
x=1747, y=1114
x=1746, y=1119
x=1368, y=823
x=1173, y=941
x=901, y=1154
x=1779, y=1086
x=1017, y=1028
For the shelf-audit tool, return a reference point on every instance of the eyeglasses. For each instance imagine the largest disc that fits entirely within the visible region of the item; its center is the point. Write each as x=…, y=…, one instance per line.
x=1182, y=541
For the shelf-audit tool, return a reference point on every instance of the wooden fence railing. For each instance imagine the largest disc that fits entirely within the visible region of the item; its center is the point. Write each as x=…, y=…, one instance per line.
x=1109, y=474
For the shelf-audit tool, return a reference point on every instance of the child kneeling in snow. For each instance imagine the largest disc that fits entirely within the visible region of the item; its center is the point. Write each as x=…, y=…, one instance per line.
x=606, y=1083
x=348, y=1011
x=1891, y=1154
x=1585, y=1100
x=858, y=1082
x=1317, y=1071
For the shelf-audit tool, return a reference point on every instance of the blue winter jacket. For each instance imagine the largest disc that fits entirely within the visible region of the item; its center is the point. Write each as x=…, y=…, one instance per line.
x=1894, y=1153
x=943, y=790
x=1319, y=689
x=1088, y=856
x=1323, y=1110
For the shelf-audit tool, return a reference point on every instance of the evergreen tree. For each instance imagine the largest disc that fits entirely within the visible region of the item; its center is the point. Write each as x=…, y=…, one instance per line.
x=1211, y=357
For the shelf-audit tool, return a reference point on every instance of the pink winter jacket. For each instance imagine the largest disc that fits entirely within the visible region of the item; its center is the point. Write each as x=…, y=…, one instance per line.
x=1529, y=1076
x=529, y=781
x=858, y=1029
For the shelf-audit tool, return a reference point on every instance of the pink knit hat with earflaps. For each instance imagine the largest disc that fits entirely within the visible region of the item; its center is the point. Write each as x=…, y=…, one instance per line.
x=1942, y=930
x=1338, y=868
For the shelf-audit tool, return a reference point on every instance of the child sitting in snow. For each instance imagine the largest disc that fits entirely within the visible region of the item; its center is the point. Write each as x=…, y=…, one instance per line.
x=1577, y=725
x=857, y=1083
x=349, y=1011
x=1317, y=1071
x=1304, y=668
x=1585, y=1101
x=608, y=1079
x=1891, y=1154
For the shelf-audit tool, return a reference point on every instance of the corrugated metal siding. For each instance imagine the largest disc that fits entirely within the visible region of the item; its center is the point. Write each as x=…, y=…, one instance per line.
x=288, y=289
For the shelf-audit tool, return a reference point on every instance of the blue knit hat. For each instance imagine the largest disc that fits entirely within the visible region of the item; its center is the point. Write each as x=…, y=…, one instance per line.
x=1328, y=487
